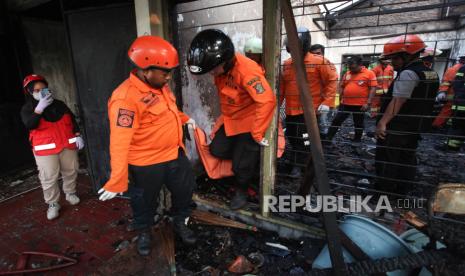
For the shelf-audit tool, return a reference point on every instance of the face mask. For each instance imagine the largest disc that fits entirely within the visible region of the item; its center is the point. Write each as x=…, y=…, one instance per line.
x=36, y=96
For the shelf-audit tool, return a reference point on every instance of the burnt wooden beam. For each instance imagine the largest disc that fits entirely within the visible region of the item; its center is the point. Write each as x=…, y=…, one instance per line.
x=329, y=218
x=271, y=53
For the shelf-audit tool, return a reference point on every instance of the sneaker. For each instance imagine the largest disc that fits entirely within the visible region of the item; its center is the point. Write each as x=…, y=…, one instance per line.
x=73, y=199
x=53, y=211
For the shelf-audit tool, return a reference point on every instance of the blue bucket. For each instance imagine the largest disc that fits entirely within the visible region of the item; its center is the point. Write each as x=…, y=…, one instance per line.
x=374, y=239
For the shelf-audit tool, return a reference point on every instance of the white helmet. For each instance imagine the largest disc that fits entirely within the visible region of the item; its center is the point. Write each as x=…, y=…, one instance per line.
x=253, y=46
x=428, y=52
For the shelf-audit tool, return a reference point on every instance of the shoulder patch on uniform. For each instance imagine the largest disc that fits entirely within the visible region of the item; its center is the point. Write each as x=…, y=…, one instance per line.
x=125, y=118
x=431, y=75
x=250, y=82
x=259, y=88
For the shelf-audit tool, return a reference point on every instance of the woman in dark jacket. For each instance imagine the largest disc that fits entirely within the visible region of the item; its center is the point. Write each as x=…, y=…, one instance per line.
x=55, y=140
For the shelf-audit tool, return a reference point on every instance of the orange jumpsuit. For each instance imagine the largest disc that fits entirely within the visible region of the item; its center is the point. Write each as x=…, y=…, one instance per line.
x=247, y=106
x=322, y=82
x=446, y=86
x=384, y=77
x=145, y=129
x=246, y=99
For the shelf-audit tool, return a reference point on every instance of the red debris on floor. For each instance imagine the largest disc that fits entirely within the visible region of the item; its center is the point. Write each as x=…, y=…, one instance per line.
x=89, y=232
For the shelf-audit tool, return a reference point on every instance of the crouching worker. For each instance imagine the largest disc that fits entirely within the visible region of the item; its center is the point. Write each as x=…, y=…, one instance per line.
x=146, y=141
x=54, y=136
x=246, y=100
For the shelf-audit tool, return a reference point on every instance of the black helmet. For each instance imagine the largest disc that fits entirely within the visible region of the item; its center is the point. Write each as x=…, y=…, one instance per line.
x=304, y=37
x=209, y=48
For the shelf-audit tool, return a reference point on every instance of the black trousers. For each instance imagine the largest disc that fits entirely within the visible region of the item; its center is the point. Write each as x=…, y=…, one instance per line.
x=396, y=162
x=295, y=127
x=343, y=113
x=457, y=131
x=242, y=150
x=147, y=181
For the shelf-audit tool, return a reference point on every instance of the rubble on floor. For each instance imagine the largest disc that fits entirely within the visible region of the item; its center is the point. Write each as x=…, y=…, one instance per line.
x=18, y=182
x=95, y=233
x=220, y=247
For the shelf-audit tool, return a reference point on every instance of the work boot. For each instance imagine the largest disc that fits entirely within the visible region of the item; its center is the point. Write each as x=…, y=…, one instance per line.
x=53, y=211
x=187, y=235
x=296, y=172
x=73, y=199
x=144, y=243
x=239, y=200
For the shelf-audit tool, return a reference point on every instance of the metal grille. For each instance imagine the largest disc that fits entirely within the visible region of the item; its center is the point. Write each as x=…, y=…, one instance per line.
x=345, y=28
x=361, y=28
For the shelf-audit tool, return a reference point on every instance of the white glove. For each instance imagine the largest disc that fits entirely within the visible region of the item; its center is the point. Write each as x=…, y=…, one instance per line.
x=323, y=108
x=264, y=142
x=191, y=123
x=106, y=195
x=442, y=96
x=79, y=143
x=43, y=103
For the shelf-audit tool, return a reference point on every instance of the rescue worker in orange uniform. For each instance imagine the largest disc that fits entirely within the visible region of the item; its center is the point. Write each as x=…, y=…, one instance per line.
x=457, y=131
x=55, y=139
x=246, y=100
x=317, y=49
x=146, y=141
x=446, y=94
x=322, y=82
x=384, y=76
x=358, y=88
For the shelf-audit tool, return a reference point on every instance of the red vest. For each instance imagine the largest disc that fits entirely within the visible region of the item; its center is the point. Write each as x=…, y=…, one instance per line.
x=52, y=137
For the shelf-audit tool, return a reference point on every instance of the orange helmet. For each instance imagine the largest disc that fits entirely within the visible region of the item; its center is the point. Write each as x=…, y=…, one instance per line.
x=30, y=78
x=410, y=44
x=153, y=51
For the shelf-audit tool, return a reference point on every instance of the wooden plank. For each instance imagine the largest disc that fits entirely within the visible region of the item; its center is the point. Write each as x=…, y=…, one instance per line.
x=414, y=220
x=220, y=207
x=271, y=53
x=329, y=218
